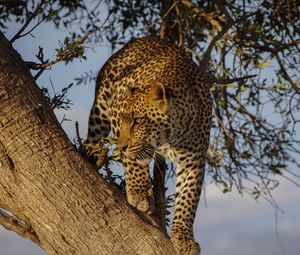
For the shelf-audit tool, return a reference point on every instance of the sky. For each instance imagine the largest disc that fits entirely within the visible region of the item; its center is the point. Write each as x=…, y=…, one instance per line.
x=226, y=224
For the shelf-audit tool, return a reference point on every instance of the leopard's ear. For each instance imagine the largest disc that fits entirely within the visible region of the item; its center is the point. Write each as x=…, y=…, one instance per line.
x=159, y=96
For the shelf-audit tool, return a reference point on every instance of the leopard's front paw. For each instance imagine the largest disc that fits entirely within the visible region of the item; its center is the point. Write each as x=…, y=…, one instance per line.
x=95, y=154
x=185, y=246
x=143, y=201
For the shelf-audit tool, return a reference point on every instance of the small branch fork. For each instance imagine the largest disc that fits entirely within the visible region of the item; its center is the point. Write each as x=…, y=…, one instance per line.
x=46, y=64
x=27, y=22
x=72, y=45
x=67, y=53
x=207, y=55
x=12, y=223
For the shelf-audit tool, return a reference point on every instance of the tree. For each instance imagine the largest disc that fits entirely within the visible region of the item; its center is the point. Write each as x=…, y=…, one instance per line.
x=237, y=44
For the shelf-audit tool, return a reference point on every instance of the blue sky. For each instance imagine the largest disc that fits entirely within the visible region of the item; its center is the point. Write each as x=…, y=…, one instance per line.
x=228, y=224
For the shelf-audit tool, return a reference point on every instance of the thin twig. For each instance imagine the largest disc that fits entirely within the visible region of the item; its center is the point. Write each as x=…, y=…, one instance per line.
x=221, y=124
x=163, y=27
x=222, y=8
x=34, y=27
x=178, y=13
x=285, y=73
x=78, y=136
x=27, y=22
x=266, y=46
x=213, y=79
x=295, y=121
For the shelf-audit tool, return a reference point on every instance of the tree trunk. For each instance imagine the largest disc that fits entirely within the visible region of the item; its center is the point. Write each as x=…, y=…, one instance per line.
x=52, y=195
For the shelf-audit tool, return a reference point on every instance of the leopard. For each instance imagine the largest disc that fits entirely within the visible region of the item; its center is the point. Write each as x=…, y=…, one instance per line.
x=155, y=101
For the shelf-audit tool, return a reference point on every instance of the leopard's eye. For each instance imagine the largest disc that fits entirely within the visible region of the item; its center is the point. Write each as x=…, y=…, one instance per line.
x=138, y=120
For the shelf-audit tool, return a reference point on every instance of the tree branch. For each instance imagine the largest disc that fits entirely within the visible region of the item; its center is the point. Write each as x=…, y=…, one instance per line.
x=207, y=55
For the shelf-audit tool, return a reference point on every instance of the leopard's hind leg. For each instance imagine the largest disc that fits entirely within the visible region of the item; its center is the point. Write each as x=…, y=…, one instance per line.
x=189, y=180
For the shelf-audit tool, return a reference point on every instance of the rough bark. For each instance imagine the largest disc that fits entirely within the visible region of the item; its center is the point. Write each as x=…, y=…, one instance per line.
x=53, y=195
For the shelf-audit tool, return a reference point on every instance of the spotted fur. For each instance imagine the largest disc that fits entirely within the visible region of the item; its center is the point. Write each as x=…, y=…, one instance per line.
x=154, y=99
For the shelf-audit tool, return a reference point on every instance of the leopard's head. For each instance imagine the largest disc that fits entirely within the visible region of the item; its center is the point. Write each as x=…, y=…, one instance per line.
x=146, y=121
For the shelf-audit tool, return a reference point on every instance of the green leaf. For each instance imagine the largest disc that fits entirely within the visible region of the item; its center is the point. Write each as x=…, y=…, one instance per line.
x=116, y=153
x=230, y=85
x=66, y=41
x=244, y=88
x=265, y=64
